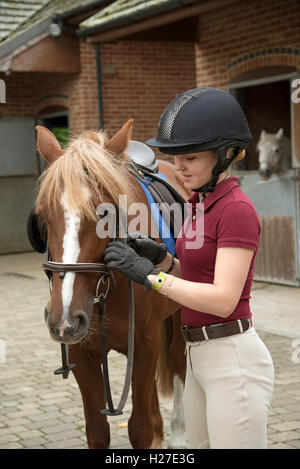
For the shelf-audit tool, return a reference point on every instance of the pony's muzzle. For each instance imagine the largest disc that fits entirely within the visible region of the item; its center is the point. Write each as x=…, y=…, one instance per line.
x=265, y=173
x=70, y=330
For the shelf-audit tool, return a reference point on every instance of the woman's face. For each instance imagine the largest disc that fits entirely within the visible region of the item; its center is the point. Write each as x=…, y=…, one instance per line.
x=196, y=168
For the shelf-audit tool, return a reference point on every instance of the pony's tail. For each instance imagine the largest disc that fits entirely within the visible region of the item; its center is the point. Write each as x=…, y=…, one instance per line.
x=171, y=360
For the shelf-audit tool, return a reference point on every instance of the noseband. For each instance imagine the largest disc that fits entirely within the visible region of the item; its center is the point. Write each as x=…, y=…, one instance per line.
x=107, y=276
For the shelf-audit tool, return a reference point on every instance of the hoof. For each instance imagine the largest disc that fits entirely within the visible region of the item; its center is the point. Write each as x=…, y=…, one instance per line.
x=178, y=446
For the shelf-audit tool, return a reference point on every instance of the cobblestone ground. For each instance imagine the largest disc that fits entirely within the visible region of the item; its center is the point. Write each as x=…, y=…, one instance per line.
x=40, y=410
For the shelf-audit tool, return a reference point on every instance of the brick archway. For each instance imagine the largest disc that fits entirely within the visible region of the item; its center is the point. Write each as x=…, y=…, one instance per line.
x=284, y=57
x=52, y=102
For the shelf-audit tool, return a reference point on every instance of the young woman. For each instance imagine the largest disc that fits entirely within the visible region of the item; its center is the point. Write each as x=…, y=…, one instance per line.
x=230, y=374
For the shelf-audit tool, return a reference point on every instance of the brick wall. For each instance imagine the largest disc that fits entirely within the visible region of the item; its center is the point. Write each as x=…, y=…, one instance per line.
x=28, y=93
x=83, y=93
x=244, y=36
x=146, y=76
x=19, y=96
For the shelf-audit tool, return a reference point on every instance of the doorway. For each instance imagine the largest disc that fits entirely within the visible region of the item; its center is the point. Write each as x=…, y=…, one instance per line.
x=266, y=101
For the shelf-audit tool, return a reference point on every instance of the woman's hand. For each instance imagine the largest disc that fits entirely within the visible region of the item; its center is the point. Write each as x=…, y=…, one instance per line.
x=123, y=258
x=147, y=247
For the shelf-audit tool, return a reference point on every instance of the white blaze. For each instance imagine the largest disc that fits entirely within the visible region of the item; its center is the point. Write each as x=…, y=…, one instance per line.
x=71, y=250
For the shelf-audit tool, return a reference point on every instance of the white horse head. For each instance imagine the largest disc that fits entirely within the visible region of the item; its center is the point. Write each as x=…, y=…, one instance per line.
x=272, y=148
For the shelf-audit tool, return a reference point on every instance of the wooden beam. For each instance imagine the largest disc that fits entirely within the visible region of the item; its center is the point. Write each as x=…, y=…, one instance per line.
x=49, y=55
x=159, y=20
x=186, y=30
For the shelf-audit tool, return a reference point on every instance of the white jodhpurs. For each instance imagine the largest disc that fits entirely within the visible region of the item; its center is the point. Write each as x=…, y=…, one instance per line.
x=228, y=390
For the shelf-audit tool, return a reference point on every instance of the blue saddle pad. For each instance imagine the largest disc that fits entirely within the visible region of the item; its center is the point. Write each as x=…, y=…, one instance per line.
x=162, y=227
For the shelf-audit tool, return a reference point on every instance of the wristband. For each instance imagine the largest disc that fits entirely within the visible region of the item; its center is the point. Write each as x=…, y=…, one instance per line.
x=159, y=281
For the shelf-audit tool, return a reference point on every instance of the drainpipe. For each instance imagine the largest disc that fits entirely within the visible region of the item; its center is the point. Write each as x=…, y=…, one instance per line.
x=99, y=85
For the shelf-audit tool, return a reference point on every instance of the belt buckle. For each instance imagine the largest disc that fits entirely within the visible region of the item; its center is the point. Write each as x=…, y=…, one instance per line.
x=240, y=326
x=205, y=332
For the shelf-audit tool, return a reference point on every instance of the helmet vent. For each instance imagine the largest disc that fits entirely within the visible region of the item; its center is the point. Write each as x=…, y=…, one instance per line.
x=168, y=118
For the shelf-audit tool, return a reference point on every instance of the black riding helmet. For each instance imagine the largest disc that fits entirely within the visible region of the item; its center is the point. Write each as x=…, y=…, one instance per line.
x=203, y=119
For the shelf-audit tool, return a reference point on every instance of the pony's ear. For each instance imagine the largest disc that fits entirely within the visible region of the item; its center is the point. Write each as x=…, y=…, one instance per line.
x=279, y=134
x=120, y=141
x=47, y=144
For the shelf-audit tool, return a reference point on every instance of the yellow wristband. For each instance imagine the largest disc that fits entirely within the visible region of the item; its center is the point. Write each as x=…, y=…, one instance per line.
x=159, y=281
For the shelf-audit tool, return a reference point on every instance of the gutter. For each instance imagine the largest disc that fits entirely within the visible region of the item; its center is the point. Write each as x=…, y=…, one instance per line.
x=135, y=16
x=83, y=9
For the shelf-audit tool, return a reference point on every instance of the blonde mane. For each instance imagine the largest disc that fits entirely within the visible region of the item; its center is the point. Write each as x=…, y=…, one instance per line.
x=85, y=166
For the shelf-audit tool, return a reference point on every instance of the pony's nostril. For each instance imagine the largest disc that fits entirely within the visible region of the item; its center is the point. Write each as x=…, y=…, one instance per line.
x=80, y=321
x=265, y=173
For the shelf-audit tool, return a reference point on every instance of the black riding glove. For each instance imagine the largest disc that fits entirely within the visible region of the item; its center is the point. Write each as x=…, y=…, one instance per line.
x=123, y=258
x=147, y=247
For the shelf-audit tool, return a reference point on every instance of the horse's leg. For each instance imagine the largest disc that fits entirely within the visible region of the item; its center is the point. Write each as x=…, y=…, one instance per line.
x=172, y=366
x=141, y=425
x=158, y=422
x=177, y=439
x=177, y=354
x=89, y=378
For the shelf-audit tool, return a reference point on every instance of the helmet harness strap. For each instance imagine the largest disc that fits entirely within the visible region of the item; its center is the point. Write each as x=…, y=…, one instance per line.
x=222, y=164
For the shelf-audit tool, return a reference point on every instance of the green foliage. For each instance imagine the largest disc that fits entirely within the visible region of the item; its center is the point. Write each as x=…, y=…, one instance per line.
x=62, y=135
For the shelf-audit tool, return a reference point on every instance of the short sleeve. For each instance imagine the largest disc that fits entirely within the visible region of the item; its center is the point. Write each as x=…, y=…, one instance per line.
x=239, y=226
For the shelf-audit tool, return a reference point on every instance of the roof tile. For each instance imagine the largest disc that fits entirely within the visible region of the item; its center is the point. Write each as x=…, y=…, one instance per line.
x=23, y=14
x=15, y=13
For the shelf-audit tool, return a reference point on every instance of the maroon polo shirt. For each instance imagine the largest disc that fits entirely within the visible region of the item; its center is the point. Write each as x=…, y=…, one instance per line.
x=230, y=219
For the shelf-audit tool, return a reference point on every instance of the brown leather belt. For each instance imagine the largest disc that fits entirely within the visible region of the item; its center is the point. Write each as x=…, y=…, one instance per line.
x=215, y=331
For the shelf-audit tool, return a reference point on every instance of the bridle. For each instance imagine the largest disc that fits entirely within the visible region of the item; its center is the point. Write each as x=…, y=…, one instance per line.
x=107, y=280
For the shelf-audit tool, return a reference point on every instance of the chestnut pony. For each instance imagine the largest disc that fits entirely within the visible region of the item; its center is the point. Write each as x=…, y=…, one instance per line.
x=90, y=171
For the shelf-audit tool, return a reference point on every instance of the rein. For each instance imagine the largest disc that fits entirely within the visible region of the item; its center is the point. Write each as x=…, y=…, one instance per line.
x=100, y=298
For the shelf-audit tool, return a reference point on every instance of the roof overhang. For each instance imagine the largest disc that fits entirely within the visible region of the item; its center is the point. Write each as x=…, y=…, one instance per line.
x=30, y=34
x=128, y=25
x=17, y=53
x=44, y=54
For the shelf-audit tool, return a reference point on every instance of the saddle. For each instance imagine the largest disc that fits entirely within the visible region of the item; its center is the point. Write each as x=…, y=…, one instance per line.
x=166, y=204
x=162, y=198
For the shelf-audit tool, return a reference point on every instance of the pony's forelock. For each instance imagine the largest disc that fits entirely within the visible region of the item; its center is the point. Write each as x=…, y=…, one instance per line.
x=83, y=174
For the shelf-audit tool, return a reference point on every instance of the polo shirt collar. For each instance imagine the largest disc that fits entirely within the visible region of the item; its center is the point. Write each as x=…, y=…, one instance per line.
x=221, y=189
